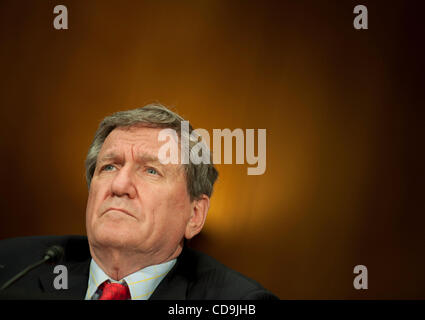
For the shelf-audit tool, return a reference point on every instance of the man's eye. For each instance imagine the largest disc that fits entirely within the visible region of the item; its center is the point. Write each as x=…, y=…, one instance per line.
x=108, y=167
x=151, y=171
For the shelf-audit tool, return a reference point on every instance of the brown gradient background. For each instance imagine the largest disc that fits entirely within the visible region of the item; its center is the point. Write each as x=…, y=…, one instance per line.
x=343, y=111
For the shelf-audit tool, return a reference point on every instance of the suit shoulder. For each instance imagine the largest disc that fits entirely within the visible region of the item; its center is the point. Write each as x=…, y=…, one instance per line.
x=214, y=280
x=37, y=241
x=18, y=253
x=29, y=249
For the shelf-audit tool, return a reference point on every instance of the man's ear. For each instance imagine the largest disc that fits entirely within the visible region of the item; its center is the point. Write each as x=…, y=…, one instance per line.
x=198, y=215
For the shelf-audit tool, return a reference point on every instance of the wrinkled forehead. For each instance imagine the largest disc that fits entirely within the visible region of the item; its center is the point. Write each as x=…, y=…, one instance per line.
x=139, y=142
x=134, y=136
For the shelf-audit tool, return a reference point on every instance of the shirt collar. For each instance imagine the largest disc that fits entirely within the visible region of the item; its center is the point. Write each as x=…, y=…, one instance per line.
x=141, y=283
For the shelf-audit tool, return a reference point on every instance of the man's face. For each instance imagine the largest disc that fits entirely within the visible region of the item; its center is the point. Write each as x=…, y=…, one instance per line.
x=135, y=202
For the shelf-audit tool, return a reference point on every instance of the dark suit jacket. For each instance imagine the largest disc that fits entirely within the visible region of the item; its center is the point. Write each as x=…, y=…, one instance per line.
x=194, y=276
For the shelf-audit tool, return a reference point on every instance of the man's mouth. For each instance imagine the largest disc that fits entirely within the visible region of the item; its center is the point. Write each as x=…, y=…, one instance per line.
x=119, y=210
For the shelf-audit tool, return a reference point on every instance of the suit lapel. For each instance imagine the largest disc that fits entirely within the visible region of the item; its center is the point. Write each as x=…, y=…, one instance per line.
x=78, y=273
x=175, y=284
x=172, y=287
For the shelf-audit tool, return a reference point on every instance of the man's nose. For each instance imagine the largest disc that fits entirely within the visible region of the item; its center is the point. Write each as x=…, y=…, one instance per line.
x=123, y=184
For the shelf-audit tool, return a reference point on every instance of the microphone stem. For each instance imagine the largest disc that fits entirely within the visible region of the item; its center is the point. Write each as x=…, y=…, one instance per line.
x=24, y=272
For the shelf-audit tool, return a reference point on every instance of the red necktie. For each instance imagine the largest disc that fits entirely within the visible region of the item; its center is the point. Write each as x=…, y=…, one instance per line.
x=114, y=291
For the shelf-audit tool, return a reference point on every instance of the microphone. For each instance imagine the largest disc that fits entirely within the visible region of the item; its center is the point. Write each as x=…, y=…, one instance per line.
x=52, y=254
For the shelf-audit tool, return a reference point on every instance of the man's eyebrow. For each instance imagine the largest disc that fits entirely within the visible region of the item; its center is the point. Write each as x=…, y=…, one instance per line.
x=148, y=158
x=142, y=158
x=109, y=156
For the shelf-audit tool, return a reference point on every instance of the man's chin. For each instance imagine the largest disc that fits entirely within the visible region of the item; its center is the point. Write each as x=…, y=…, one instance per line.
x=114, y=238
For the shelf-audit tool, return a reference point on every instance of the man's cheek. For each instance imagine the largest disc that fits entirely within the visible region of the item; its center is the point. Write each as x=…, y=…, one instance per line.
x=91, y=196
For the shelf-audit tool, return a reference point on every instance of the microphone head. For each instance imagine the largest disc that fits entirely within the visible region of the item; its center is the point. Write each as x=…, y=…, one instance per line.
x=54, y=253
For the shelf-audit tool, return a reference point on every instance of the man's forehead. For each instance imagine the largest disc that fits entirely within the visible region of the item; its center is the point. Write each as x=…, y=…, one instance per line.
x=133, y=136
x=140, y=140
x=134, y=133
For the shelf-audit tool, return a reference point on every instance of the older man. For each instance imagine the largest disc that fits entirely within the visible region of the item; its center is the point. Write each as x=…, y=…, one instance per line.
x=139, y=211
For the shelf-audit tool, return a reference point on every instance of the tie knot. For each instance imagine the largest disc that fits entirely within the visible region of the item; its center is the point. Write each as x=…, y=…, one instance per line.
x=114, y=291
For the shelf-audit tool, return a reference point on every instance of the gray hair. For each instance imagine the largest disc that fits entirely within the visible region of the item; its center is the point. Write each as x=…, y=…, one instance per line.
x=200, y=178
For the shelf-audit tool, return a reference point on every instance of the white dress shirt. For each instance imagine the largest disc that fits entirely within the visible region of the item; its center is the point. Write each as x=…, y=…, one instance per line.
x=141, y=283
